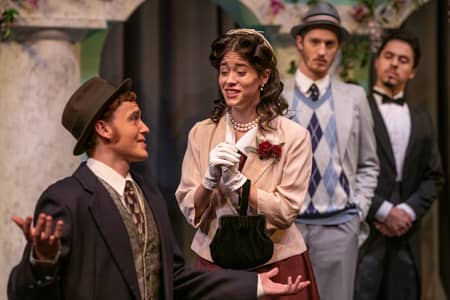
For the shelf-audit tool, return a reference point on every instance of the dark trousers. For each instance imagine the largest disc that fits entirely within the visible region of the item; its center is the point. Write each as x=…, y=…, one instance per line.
x=386, y=271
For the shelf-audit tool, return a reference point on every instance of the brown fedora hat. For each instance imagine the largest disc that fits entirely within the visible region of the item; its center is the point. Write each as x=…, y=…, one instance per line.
x=86, y=105
x=322, y=14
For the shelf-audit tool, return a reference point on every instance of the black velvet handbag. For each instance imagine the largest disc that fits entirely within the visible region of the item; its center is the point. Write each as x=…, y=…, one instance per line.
x=241, y=242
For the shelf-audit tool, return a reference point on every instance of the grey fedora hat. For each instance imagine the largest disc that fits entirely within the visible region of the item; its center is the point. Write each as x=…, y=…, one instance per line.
x=322, y=14
x=86, y=105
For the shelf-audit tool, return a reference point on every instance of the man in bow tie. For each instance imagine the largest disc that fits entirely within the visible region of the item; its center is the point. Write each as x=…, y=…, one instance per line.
x=389, y=262
x=345, y=165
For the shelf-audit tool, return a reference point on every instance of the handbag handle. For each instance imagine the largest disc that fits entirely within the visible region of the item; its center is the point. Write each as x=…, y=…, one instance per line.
x=243, y=200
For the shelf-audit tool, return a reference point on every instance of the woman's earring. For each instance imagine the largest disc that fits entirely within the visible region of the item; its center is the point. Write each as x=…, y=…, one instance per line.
x=262, y=88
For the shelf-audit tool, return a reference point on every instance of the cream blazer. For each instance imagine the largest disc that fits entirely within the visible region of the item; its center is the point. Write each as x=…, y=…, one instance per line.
x=281, y=185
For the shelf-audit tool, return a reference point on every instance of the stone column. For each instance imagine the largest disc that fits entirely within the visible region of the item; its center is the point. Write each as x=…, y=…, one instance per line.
x=40, y=69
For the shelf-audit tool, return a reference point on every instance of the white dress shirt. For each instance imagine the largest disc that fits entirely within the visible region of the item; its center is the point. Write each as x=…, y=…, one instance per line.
x=304, y=83
x=397, y=119
x=114, y=179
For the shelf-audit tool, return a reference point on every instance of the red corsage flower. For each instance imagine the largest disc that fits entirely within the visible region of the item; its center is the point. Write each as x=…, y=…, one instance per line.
x=266, y=150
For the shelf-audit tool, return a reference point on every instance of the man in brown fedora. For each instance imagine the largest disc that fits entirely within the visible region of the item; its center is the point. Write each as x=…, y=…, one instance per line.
x=345, y=165
x=104, y=233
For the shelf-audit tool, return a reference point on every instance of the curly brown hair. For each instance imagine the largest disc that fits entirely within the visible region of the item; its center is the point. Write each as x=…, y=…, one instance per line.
x=253, y=47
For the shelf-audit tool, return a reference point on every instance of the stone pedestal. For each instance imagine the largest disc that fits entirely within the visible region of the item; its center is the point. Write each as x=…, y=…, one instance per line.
x=40, y=69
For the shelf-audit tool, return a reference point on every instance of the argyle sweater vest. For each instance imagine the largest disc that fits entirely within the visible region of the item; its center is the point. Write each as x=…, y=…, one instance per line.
x=146, y=251
x=328, y=191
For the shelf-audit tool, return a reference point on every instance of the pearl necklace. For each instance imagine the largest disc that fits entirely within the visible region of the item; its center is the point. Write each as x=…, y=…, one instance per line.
x=243, y=127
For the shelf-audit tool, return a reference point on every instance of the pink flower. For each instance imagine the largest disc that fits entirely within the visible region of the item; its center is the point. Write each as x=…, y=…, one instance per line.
x=276, y=6
x=33, y=3
x=359, y=12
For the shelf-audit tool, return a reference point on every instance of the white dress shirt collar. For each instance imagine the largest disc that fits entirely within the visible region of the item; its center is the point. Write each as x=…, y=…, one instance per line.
x=303, y=82
x=397, y=120
x=108, y=174
x=378, y=98
x=248, y=139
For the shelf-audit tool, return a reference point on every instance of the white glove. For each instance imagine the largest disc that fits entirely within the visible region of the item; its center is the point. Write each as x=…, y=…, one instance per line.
x=223, y=155
x=233, y=179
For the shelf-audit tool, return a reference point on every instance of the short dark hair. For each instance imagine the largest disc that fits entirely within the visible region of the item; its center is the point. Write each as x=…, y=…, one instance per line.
x=404, y=36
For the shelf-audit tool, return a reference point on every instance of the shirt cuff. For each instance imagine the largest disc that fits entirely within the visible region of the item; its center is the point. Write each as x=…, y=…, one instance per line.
x=260, y=289
x=408, y=209
x=44, y=269
x=383, y=211
x=34, y=261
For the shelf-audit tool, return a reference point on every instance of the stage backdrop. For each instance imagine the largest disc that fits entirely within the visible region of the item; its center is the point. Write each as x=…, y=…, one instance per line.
x=164, y=48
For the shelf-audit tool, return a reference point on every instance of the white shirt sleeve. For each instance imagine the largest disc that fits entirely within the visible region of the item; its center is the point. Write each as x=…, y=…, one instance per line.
x=408, y=209
x=260, y=289
x=383, y=211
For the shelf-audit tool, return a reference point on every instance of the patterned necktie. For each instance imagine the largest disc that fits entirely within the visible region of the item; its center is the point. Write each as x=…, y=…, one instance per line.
x=133, y=207
x=313, y=92
x=386, y=99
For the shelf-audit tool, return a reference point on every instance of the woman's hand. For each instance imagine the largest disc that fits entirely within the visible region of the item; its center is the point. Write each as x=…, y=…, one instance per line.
x=223, y=155
x=233, y=179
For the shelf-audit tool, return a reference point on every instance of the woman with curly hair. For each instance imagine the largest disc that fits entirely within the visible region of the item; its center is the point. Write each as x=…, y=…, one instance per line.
x=247, y=137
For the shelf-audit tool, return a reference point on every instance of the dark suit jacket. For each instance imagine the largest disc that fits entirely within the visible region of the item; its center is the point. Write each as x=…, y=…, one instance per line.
x=96, y=260
x=422, y=173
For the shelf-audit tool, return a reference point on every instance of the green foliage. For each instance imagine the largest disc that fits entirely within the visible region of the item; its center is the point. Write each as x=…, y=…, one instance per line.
x=355, y=56
x=7, y=18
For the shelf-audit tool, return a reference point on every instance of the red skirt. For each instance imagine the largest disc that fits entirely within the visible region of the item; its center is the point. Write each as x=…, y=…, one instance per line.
x=292, y=266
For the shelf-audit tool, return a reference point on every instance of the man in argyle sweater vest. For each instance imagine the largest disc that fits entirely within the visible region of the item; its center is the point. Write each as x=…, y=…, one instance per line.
x=345, y=165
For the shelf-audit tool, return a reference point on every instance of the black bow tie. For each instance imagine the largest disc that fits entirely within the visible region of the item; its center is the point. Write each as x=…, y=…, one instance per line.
x=386, y=99
x=313, y=92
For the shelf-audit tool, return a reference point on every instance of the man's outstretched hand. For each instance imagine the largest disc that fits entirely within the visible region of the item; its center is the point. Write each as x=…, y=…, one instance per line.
x=272, y=288
x=45, y=237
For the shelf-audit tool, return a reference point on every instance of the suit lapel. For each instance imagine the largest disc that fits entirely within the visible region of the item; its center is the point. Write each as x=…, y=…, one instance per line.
x=344, y=116
x=412, y=136
x=255, y=167
x=381, y=133
x=110, y=224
